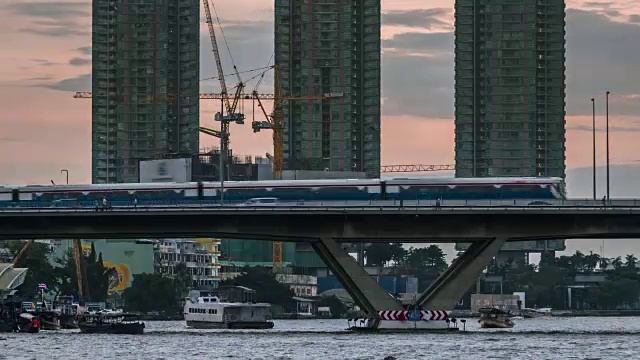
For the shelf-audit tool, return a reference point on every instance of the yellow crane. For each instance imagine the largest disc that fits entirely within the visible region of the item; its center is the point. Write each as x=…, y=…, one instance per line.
x=275, y=120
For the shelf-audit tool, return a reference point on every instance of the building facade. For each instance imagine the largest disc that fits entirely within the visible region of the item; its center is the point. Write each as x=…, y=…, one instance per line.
x=510, y=88
x=145, y=84
x=199, y=255
x=330, y=48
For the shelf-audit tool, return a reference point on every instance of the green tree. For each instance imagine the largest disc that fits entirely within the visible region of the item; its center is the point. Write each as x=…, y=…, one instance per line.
x=378, y=254
x=337, y=307
x=152, y=293
x=40, y=269
x=630, y=261
x=264, y=282
x=429, y=260
x=617, y=263
x=182, y=279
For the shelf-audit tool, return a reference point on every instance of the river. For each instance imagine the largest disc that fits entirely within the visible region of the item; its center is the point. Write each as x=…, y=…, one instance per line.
x=553, y=338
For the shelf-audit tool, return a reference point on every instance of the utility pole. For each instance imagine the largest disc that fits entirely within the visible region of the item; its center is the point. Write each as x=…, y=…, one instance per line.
x=223, y=135
x=593, y=112
x=607, y=131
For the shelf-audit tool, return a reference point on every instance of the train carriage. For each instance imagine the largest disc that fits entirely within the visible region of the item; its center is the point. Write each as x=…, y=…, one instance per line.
x=427, y=188
x=474, y=188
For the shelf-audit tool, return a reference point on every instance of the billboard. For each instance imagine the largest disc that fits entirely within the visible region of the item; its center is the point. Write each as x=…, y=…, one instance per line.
x=527, y=246
x=165, y=170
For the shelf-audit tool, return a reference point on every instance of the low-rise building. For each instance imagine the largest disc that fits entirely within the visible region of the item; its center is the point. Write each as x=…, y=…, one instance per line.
x=199, y=255
x=301, y=285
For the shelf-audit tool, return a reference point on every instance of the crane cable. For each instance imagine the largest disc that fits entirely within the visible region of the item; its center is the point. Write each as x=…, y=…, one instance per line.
x=236, y=73
x=224, y=37
x=269, y=67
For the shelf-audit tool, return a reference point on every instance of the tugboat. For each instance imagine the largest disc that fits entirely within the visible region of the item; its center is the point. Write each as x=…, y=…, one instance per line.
x=494, y=318
x=110, y=323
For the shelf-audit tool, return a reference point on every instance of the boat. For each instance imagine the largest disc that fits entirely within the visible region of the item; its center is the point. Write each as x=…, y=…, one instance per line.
x=28, y=323
x=536, y=313
x=49, y=320
x=69, y=311
x=119, y=323
x=208, y=312
x=492, y=318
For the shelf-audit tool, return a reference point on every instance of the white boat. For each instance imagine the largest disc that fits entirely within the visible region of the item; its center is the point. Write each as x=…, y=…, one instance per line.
x=536, y=313
x=208, y=312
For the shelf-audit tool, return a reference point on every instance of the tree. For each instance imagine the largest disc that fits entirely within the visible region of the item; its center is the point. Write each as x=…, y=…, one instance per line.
x=182, y=279
x=40, y=269
x=617, y=263
x=378, y=254
x=337, y=307
x=264, y=282
x=427, y=260
x=152, y=293
x=630, y=261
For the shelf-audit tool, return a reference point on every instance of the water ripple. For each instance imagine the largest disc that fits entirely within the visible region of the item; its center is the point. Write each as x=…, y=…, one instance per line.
x=566, y=338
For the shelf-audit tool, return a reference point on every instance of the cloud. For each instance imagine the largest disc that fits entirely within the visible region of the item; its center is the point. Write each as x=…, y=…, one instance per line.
x=55, y=18
x=427, y=44
x=51, y=9
x=11, y=140
x=76, y=61
x=43, y=62
x=251, y=44
x=86, y=50
x=419, y=18
x=417, y=75
x=78, y=83
x=599, y=5
x=601, y=54
x=634, y=18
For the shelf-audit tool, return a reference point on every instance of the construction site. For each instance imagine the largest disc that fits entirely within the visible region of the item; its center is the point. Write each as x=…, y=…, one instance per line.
x=324, y=119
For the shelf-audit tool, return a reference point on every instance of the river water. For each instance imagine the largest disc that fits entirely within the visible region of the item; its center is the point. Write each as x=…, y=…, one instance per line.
x=554, y=338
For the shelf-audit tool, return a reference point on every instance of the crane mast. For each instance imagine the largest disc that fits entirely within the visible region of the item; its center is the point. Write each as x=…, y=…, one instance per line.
x=216, y=54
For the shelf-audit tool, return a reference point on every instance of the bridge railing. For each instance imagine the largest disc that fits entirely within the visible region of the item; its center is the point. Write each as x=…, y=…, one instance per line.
x=399, y=204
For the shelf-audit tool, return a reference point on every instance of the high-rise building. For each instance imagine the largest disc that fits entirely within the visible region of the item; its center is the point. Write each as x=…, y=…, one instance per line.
x=145, y=84
x=510, y=88
x=330, y=47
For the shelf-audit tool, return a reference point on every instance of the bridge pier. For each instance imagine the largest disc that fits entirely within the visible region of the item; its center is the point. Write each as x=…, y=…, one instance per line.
x=445, y=292
x=364, y=290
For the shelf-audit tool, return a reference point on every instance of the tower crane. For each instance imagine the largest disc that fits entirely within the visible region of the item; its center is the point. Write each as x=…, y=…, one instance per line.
x=231, y=106
x=275, y=120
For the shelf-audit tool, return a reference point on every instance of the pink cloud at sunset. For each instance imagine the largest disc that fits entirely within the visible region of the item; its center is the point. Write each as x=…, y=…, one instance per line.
x=46, y=57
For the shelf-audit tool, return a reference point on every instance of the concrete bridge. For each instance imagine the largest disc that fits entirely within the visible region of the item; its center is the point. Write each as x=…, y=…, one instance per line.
x=487, y=227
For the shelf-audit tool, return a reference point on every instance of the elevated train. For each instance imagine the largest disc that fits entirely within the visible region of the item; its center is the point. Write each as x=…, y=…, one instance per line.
x=426, y=188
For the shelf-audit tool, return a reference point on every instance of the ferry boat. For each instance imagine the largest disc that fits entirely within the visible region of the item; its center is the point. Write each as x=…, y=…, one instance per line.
x=492, y=318
x=208, y=312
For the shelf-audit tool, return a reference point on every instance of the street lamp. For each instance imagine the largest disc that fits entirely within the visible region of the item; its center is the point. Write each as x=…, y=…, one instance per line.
x=593, y=112
x=67, y=173
x=607, y=131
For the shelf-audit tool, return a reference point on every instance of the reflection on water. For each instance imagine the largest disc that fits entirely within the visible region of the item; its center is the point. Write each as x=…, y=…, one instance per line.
x=555, y=338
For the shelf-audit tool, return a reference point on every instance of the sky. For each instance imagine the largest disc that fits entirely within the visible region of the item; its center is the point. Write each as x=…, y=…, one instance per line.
x=46, y=56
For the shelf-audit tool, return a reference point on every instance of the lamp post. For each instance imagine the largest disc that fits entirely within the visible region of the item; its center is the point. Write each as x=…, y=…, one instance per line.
x=607, y=131
x=593, y=112
x=67, y=173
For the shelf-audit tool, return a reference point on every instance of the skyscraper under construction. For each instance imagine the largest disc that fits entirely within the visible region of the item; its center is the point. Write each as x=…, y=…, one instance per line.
x=145, y=84
x=330, y=48
x=510, y=88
